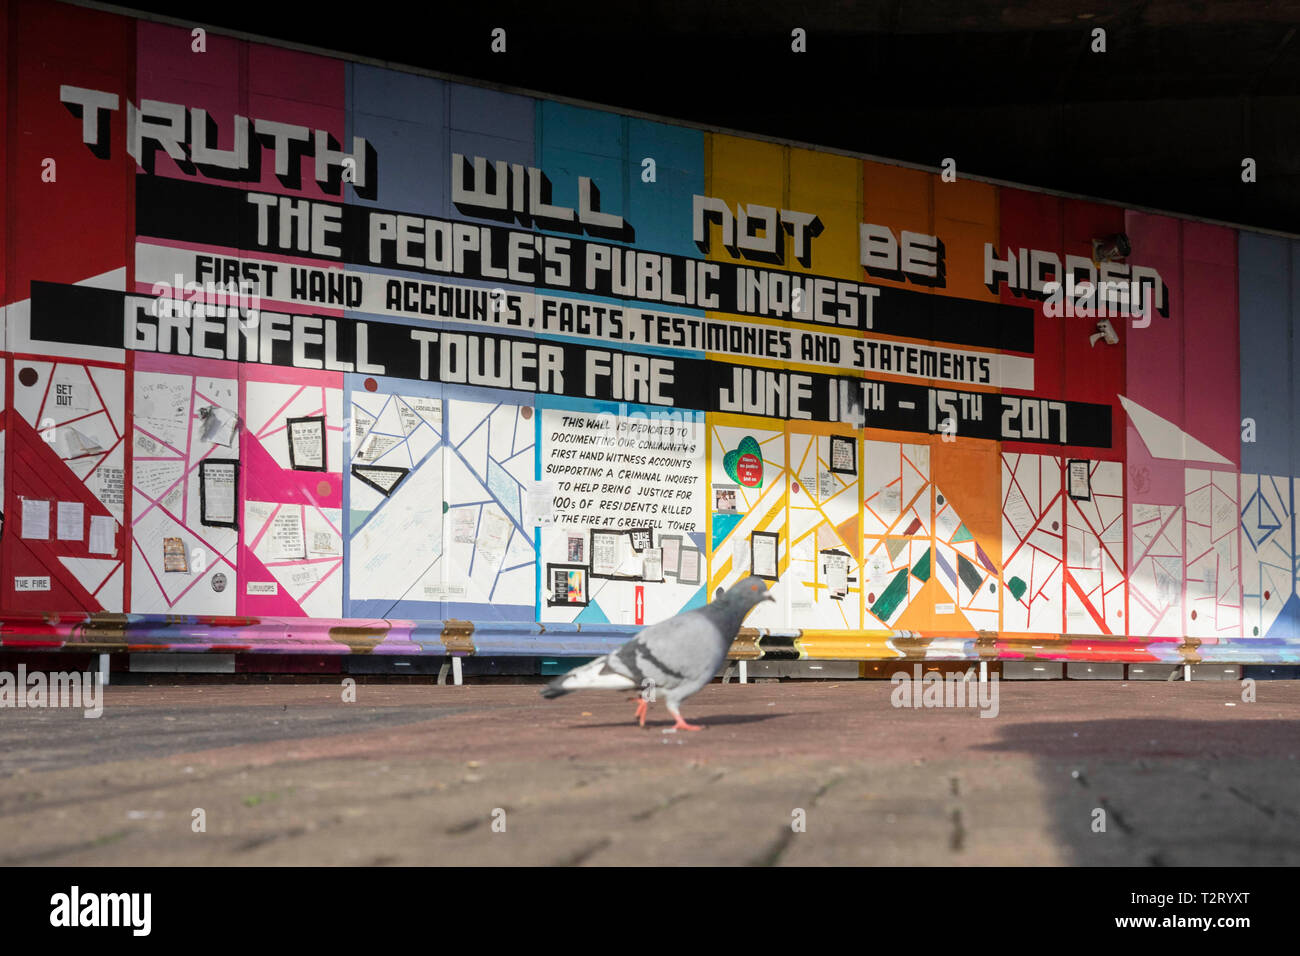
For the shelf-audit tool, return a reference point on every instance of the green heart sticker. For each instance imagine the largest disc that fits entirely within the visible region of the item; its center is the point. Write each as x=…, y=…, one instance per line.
x=744, y=464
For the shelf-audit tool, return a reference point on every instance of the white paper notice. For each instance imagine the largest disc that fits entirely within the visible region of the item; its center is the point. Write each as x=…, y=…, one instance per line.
x=652, y=564
x=323, y=542
x=375, y=447
x=286, y=537
x=107, y=484
x=829, y=485
x=672, y=548
x=604, y=552
x=539, y=505
x=72, y=521
x=257, y=513
x=689, y=572
x=739, y=554
x=492, y=534
x=36, y=519
x=304, y=576
x=765, y=555
x=153, y=479
x=103, y=531
x=462, y=525
x=76, y=444
x=409, y=420
x=494, y=531
x=430, y=409
x=1017, y=512
x=837, y=571
x=219, y=426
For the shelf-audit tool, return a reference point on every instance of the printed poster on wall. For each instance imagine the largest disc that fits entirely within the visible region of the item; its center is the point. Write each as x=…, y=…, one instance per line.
x=306, y=443
x=218, y=492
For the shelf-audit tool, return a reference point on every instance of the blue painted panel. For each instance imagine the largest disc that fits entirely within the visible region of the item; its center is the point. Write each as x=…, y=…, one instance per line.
x=578, y=129
x=661, y=211
x=1265, y=323
x=496, y=126
x=404, y=118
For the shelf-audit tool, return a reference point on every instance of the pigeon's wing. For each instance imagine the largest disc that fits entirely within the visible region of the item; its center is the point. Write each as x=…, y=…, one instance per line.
x=603, y=673
x=683, y=650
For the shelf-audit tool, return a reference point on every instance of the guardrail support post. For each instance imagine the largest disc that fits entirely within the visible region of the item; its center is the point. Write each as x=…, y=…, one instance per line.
x=984, y=672
x=744, y=672
x=456, y=677
x=103, y=670
x=1187, y=672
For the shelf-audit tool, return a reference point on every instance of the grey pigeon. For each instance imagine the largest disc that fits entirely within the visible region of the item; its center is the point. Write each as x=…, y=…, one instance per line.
x=676, y=657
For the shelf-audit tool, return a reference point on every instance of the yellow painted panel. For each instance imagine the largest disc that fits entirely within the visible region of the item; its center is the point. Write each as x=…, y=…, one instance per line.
x=830, y=187
x=742, y=172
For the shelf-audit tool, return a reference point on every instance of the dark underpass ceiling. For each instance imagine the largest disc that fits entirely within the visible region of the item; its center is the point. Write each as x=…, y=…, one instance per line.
x=1012, y=90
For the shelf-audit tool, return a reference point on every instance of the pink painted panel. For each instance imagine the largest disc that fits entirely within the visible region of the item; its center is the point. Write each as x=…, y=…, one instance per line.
x=1211, y=347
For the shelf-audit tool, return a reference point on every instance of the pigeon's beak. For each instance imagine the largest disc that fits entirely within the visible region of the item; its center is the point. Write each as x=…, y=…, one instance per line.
x=768, y=596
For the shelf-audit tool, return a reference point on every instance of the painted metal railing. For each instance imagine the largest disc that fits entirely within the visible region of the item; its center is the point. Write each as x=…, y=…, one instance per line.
x=117, y=633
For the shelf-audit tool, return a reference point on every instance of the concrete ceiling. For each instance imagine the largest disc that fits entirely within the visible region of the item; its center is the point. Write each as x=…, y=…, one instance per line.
x=1010, y=89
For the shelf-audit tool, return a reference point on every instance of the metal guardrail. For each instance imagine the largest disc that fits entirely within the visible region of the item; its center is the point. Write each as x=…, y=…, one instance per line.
x=118, y=633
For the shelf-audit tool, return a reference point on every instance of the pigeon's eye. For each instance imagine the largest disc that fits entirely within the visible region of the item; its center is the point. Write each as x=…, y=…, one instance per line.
x=753, y=587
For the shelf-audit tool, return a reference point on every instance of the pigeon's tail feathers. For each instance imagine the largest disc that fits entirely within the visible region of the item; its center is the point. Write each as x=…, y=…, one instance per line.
x=596, y=675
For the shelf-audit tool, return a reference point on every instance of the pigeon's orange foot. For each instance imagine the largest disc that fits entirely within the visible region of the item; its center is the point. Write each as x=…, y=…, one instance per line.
x=642, y=705
x=683, y=725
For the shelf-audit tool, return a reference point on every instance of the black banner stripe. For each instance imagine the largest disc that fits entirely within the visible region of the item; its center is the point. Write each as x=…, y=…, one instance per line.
x=186, y=211
x=78, y=315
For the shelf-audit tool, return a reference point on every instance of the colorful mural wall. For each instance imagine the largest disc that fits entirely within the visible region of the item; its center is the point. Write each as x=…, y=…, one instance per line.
x=295, y=346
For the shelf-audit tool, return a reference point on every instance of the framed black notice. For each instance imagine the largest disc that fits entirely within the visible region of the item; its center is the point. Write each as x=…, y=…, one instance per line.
x=764, y=549
x=642, y=538
x=844, y=455
x=568, y=585
x=1079, y=476
x=306, y=443
x=219, y=493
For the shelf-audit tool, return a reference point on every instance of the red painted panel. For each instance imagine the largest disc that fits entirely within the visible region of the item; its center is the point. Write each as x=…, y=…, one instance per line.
x=90, y=198
x=37, y=472
x=1093, y=373
x=1031, y=221
x=1066, y=365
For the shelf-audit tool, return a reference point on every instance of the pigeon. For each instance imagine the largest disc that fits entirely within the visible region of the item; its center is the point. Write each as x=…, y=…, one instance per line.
x=676, y=657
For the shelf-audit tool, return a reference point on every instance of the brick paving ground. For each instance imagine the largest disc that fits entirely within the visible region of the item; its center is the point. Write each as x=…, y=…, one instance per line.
x=416, y=774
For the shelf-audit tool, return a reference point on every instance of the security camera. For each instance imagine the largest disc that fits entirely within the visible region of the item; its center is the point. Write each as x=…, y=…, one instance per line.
x=1104, y=331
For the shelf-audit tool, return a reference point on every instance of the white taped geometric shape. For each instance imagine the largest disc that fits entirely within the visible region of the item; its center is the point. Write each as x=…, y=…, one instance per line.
x=1166, y=440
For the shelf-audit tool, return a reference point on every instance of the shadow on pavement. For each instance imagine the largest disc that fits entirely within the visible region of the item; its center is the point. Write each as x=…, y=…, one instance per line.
x=720, y=720
x=1161, y=792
